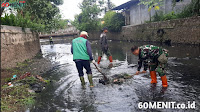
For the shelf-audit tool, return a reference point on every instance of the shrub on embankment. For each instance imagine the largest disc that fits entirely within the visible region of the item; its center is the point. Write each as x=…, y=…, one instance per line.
x=41, y=18
x=24, y=22
x=192, y=9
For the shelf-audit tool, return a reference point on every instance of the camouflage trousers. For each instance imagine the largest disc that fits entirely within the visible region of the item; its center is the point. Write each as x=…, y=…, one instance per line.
x=159, y=64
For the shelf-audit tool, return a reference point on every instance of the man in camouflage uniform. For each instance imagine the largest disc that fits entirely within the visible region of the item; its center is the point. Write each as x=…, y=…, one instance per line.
x=104, y=46
x=155, y=57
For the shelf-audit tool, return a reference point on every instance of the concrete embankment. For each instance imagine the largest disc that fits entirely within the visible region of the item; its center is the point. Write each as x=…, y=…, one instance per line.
x=185, y=31
x=17, y=45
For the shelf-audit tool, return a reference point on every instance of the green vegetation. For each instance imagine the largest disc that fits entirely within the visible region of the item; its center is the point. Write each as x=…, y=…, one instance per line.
x=88, y=19
x=20, y=21
x=15, y=98
x=19, y=97
x=114, y=21
x=156, y=4
x=193, y=9
x=39, y=15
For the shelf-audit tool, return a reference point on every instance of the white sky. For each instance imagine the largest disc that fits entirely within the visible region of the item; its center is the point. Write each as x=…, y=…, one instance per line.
x=70, y=7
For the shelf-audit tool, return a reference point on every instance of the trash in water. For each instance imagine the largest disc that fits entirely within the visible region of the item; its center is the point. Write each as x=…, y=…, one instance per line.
x=116, y=79
x=14, y=77
x=103, y=81
x=10, y=84
x=40, y=78
x=27, y=74
x=100, y=102
x=31, y=91
x=37, y=87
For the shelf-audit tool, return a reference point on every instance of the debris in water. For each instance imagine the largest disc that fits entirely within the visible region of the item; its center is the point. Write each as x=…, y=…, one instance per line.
x=14, y=77
x=100, y=102
x=116, y=79
x=40, y=78
x=10, y=84
x=104, y=81
x=27, y=74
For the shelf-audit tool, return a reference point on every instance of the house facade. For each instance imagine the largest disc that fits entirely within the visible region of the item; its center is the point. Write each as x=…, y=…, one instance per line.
x=137, y=14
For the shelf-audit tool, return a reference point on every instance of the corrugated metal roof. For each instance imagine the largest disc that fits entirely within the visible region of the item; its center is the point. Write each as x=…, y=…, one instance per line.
x=126, y=5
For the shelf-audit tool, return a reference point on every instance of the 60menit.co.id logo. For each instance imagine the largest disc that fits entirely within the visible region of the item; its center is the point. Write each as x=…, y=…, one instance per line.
x=16, y=4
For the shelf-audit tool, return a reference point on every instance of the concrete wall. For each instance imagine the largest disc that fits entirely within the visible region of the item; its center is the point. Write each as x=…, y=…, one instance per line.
x=186, y=31
x=179, y=6
x=17, y=45
x=95, y=35
x=139, y=13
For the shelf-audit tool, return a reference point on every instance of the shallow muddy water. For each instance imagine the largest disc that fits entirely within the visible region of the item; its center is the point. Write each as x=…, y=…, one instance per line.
x=65, y=94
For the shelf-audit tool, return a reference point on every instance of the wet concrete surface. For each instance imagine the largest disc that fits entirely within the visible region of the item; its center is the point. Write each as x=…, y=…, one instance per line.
x=65, y=93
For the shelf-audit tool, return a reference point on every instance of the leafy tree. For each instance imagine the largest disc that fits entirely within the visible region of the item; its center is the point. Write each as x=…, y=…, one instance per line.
x=152, y=4
x=44, y=12
x=114, y=21
x=24, y=22
x=157, y=3
x=88, y=19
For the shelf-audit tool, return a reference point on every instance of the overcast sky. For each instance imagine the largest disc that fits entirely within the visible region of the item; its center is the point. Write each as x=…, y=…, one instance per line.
x=70, y=7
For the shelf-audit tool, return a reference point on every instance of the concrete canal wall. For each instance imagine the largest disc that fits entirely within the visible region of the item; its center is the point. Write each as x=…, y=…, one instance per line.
x=186, y=31
x=17, y=45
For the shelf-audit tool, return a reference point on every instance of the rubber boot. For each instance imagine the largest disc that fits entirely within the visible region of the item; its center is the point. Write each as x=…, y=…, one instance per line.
x=90, y=80
x=164, y=81
x=110, y=58
x=82, y=81
x=99, y=59
x=153, y=77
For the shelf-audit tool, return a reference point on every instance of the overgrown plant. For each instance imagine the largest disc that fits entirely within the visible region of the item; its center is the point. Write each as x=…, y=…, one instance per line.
x=39, y=15
x=114, y=21
x=193, y=9
x=88, y=19
x=16, y=98
x=21, y=21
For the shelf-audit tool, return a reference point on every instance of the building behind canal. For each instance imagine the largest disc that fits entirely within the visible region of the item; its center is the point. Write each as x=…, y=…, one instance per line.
x=137, y=14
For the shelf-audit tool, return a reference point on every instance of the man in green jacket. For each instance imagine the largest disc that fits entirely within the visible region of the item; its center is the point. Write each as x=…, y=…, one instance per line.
x=82, y=55
x=155, y=57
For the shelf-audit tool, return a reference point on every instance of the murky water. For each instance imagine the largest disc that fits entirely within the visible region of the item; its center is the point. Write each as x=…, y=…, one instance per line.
x=65, y=94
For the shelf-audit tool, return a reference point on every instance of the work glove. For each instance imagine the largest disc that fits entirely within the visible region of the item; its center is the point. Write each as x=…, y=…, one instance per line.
x=93, y=61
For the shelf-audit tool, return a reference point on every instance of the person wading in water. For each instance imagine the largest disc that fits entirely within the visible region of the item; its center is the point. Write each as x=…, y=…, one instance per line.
x=51, y=40
x=156, y=58
x=82, y=55
x=104, y=47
